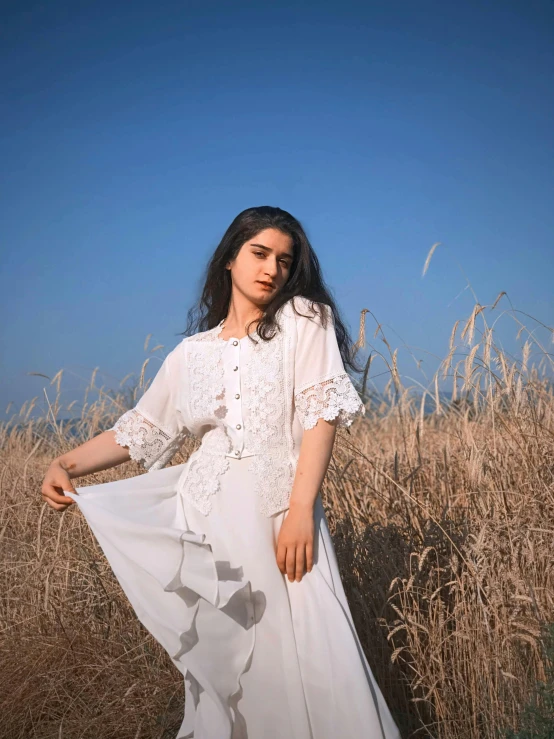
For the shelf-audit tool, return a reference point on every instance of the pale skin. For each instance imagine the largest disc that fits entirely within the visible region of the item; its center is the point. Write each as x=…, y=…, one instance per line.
x=266, y=258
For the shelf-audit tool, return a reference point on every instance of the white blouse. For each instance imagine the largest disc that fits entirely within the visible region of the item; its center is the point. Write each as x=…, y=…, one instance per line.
x=243, y=399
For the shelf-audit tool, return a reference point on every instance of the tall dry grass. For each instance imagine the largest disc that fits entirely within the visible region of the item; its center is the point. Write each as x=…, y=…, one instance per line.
x=443, y=524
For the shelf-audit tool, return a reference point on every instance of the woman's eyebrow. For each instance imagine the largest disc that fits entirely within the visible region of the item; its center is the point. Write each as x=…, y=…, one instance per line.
x=267, y=248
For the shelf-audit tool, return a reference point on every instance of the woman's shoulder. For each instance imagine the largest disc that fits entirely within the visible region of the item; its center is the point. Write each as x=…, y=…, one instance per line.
x=207, y=335
x=178, y=355
x=301, y=308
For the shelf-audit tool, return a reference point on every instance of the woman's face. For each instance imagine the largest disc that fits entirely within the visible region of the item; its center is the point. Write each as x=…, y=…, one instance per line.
x=262, y=265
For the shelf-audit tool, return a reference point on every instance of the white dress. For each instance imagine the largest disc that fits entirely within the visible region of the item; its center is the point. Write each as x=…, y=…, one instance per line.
x=194, y=545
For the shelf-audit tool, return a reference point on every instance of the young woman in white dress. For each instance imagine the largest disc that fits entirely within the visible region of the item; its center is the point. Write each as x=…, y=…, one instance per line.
x=227, y=559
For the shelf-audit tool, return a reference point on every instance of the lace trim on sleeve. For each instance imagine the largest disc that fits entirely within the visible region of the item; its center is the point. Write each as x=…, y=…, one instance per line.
x=328, y=399
x=147, y=443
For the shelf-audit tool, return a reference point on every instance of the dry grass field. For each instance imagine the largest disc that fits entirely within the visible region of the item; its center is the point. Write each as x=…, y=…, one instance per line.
x=443, y=524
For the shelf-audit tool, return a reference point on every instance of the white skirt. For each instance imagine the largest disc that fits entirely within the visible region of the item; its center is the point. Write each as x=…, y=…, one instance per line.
x=262, y=657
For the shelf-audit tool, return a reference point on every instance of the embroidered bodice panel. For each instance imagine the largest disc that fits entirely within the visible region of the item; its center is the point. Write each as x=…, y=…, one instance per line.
x=245, y=398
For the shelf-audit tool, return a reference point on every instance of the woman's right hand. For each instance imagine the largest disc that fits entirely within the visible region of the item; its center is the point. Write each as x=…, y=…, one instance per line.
x=99, y=453
x=55, y=482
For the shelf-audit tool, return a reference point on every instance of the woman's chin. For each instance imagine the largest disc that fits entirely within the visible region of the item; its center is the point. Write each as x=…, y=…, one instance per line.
x=265, y=294
x=260, y=295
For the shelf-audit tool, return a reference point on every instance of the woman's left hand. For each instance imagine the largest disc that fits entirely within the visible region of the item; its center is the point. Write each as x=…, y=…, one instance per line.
x=295, y=543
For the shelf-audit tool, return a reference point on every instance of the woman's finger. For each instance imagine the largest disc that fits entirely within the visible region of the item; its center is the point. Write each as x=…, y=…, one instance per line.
x=281, y=558
x=54, y=499
x=300, y=559
x=55, y=484
x=291, y=562
x=50, y=492
x=309, y=556
x=55, y=506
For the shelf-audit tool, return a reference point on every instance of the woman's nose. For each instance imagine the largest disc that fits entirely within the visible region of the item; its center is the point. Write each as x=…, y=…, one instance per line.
x=271, y=267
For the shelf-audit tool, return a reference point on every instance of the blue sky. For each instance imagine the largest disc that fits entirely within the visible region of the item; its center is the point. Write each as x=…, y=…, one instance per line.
x=133, y=133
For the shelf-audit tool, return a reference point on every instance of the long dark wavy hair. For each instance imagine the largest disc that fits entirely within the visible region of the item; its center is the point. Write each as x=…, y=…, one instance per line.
x=305, y=279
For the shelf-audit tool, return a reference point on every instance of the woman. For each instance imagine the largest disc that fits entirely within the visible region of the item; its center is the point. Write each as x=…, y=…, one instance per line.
x=227, y=559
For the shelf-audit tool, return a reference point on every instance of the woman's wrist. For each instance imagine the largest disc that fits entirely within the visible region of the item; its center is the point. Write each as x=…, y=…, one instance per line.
x=63, y=463
x=301, y=505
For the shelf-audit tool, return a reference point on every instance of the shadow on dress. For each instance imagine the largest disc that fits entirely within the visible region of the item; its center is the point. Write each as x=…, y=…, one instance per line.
x=246, y=608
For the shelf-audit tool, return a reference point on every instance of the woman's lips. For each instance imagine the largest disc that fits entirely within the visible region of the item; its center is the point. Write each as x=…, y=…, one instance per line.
x=266, y=285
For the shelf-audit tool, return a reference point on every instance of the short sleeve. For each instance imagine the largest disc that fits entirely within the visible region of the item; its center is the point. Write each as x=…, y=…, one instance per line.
x=322, y=387
x=153, y=430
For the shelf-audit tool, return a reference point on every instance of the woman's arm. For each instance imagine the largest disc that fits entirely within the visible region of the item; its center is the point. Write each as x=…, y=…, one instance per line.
x=99, y=453
x=295, y=541
x=95, y=455
x=316, y=449
x=324, y=398
x=149, y=433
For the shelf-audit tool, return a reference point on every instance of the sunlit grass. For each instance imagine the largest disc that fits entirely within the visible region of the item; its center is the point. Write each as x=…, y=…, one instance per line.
x=443, y=524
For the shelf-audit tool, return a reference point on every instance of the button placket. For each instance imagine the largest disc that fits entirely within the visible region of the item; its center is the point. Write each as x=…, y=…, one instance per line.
x=237, y=401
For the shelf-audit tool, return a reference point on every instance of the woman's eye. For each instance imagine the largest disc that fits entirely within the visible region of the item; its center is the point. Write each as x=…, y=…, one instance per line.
x=285, y=262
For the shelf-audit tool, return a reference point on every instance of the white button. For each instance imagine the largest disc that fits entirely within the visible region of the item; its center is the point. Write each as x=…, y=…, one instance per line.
x=235, y=369
x=237, y=453
x=237, y=396
x=235, y=343
x=239, y=426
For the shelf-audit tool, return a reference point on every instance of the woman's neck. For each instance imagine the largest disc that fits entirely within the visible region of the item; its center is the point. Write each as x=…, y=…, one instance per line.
x=240, y=314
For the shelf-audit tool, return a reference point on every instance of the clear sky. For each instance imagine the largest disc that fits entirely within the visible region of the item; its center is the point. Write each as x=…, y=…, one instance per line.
x=132, y=133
